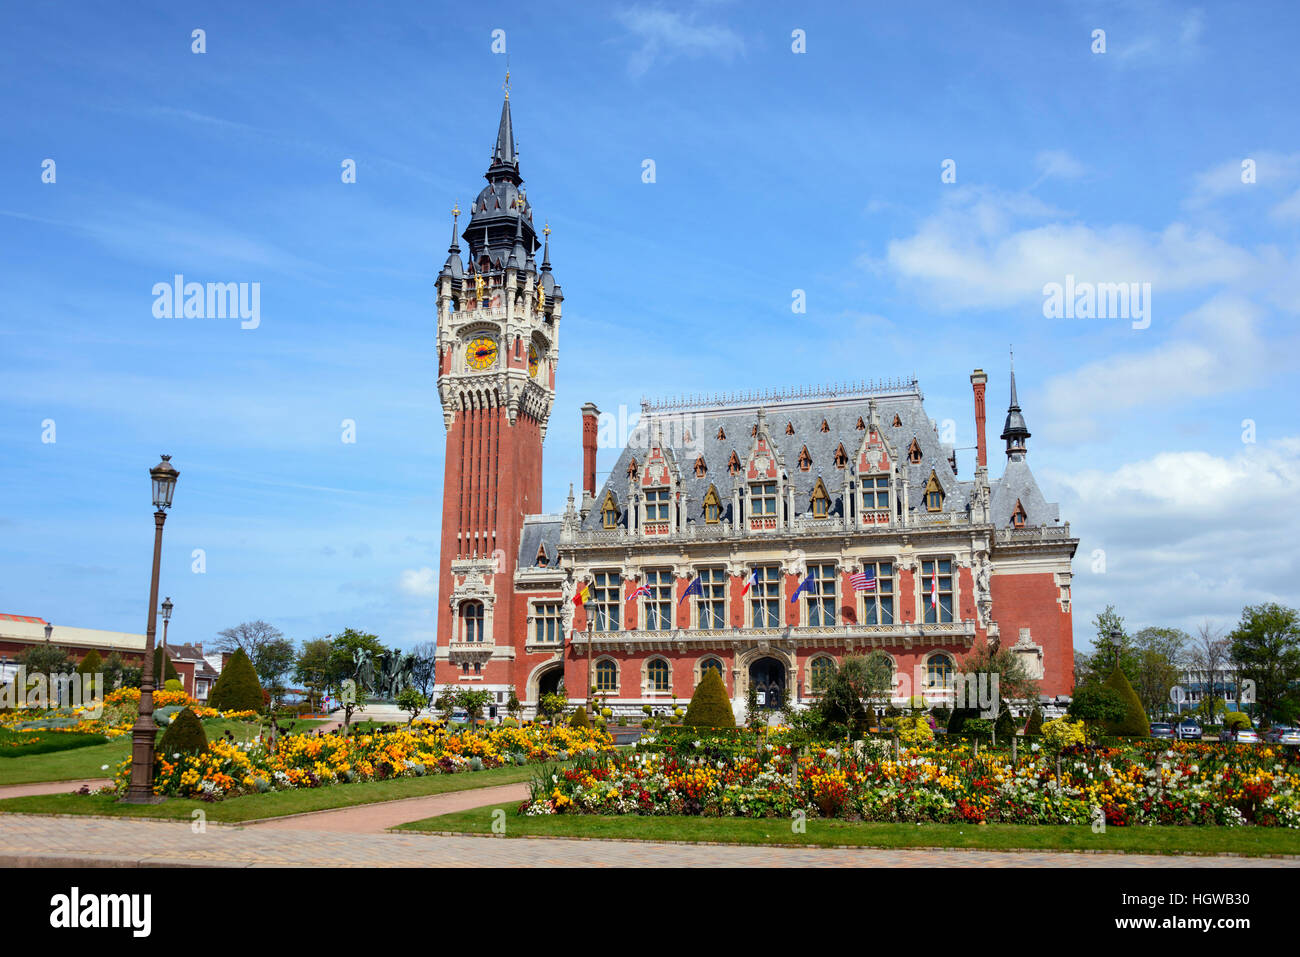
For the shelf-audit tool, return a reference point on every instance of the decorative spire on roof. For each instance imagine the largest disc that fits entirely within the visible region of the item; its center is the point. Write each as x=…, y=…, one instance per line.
x=1015, y=432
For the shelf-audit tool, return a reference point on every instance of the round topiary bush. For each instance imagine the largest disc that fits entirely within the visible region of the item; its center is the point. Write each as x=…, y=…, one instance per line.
x=579, y=719
x=710, y=707
x=237, y=687
x=184, y=735
x=1236, y=721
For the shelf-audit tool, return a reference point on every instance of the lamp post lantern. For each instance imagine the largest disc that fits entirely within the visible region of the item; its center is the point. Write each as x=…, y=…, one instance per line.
x=140, y=790
x=166, y=610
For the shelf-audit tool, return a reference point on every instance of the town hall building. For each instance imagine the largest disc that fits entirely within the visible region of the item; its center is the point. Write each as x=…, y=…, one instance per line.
x=716, y=515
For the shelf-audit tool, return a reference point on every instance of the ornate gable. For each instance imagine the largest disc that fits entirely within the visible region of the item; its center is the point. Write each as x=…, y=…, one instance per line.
x=765, y=460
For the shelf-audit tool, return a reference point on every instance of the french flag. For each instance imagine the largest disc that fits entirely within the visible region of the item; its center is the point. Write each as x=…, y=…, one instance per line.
x=750, y=582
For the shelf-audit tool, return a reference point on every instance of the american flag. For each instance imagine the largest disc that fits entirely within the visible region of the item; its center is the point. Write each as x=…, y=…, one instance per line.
x=863, y=581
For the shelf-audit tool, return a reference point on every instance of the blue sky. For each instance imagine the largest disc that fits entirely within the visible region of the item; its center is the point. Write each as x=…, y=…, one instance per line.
x=775, y=171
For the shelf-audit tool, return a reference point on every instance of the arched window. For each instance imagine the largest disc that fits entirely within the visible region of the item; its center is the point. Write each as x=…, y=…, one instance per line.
x=823, y=669
x=471, y=614
x=938, y=672
x=606, y=675
x=658, y=675
x=710, y=664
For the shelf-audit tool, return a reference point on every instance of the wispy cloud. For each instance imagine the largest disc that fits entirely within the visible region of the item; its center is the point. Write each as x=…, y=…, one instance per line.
x=663, y=35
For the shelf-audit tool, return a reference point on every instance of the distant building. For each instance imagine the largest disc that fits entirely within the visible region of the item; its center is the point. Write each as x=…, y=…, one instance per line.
x=20, y=632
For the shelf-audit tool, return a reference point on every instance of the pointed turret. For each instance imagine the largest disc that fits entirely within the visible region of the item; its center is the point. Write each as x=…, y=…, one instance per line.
x=1015, y=432
x=453, y=266
x=500, y=224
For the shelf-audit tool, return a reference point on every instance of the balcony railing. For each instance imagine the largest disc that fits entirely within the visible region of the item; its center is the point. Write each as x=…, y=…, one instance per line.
x=906, y=633
x=1040, y=533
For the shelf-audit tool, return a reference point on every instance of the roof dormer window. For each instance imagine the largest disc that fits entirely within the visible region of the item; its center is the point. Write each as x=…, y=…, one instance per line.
x=933, y=494
x=841, y=457
x=914, y=452
x=700, y=468
x=821, y=502
x=712, y=506
x=609, y=512
x=1018, y=516
x=805, y=460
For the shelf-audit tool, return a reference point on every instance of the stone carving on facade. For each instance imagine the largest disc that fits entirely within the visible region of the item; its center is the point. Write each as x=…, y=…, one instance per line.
x=1031, y=655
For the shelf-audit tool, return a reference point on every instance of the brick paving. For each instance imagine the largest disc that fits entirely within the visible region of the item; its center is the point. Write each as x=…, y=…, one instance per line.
x=51, y=787
x=377, y=818
x=33, y=841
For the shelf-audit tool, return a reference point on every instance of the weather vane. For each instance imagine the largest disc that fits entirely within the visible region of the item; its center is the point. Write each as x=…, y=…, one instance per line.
x=506, y=85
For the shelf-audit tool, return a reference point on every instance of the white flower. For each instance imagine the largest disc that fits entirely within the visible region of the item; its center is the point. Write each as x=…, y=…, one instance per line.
x=103, y=767
x=176, y=754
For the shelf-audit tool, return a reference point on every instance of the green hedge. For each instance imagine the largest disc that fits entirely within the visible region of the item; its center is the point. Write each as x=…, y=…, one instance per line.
x=21, y=743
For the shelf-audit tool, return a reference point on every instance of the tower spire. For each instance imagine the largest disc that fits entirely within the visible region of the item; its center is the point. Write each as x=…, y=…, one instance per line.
x=1015, y=432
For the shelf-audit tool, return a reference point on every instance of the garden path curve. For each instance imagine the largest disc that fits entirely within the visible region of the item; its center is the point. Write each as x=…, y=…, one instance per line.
x=377, y=818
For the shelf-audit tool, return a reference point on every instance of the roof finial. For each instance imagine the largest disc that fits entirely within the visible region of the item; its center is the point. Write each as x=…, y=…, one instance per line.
x=506, y=85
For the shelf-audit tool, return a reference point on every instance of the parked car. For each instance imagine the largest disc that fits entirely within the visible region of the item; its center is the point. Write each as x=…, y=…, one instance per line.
x=1162, y=730
x=1188, y=731
x=1241, y=736
x=1281, y=734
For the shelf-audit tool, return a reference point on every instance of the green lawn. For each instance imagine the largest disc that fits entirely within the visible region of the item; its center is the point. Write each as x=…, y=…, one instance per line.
x=89, y=762
x=273, y=804
x=1147, y=840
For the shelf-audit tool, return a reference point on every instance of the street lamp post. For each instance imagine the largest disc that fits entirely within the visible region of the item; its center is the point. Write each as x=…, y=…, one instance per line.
x=140, y=790
x=166, y=610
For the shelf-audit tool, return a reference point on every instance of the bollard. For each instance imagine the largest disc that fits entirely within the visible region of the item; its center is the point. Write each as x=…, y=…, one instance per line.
x=1015, y=749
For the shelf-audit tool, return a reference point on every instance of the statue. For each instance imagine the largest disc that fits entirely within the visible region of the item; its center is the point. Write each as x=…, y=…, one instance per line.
x=541, y=298
x=480, y=288
x=363, y=671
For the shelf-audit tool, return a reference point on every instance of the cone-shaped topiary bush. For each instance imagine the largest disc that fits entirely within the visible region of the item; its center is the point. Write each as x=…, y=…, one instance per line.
x=91, y=665
x=237, y=687
x=957, y=720
x=1134, y=724
x=1005, y=726
x=162, y=662
x=185, y=735
x=1035, y=724
x=709, y=707
x=579, y=719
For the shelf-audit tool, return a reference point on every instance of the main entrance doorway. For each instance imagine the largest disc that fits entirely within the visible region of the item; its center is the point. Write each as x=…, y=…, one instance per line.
x=767, y=678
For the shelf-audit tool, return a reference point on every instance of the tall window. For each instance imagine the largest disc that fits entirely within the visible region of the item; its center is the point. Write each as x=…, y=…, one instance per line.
x=821, y=502
x=710, y=664
x=940, y=571
x=875, y=494
x=606, y=600
x=657, y=675
x=609, y=512
x=765, y=597
x=938, y=672
x=878, y=603
x=933, y=494
x=656, y=505
x=763, y=498
x=472, y=614
x=659, y=603
x=606, y=675
x=821, y=599
x=823, y=669
x=712, y=602
x=547, y=623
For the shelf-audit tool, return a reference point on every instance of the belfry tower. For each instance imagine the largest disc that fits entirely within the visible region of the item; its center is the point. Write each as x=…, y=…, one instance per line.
x=498, y=345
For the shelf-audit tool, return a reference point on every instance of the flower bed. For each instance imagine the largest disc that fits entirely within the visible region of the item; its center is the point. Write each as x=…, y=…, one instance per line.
x=116, y=714
x=1148, y=783
x=228, y=768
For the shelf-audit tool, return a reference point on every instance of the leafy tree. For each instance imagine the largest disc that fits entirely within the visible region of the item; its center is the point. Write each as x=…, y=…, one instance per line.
x=275, y=659
x=1134, y=723
x=237, y=687
x=342, y=666
x=1013, y=680
x=1160, y=657
x=474, y=700
x=1265, y=646
x=858, y=680
x=90, y=666
x=185, y=735
x=514, y=707
x=579, y=718
x=1236, y=721
x=312, y=669
x=45, y=659
x=551, y=704
x=413, y=701
x=1114, y=647
x=710, y=707
x=1094, y=705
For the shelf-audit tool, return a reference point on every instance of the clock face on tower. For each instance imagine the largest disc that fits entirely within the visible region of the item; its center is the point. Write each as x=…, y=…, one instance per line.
x=481, y=353
x=533, y=361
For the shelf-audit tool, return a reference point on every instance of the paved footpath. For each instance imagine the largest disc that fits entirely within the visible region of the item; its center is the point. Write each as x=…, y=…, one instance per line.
x=35, y=840
x=51, y=787
x=377, y=818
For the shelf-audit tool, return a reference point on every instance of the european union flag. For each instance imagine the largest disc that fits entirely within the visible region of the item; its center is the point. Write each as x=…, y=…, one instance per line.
x=694, y=588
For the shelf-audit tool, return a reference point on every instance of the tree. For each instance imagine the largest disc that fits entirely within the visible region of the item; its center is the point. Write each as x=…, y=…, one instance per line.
x=342, y=666
x=857, y=681
x=1133, y=723
x=1265, y=646
x=90, y=666
x=474, y=700
x=413, y=701
x=1114, y=647
x=710, y=707
x=1034, y=726
x=1160, y=657
x=185, y=735
x=550, y=704
x=579, y=718
x=447, y=702
x=312, y=668
x=249, y=636
x=1095, y=705
x=163, y=662
x=45, y=659
x=237, y=687
x=514, y=707
x=1208, y=658
x=1013, y=680
x=274, y=659
x=423, y=668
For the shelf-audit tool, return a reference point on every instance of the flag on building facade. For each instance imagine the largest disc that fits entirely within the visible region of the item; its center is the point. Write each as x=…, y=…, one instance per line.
x=805, y=586
x=863, y=581
x=643, y=590
x=750, y=582
x=694, y=588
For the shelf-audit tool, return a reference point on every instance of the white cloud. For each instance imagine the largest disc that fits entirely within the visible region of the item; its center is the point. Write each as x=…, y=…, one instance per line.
x=1187, y=535
x=1273, y=170
x=422, y=582
x=664, y=34
x=1058, y=164
x=970, y=253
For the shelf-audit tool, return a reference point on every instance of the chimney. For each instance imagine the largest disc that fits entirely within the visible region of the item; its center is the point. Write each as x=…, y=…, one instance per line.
x=199, y=646
x=977, y=382
x=589, y=416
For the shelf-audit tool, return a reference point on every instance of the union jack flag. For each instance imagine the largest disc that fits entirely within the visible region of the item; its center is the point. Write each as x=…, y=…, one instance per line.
x=643, y=590
x=863, y=581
